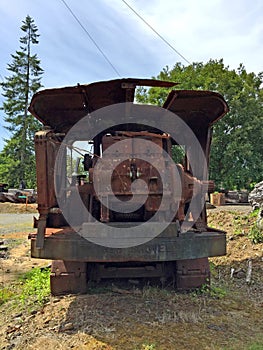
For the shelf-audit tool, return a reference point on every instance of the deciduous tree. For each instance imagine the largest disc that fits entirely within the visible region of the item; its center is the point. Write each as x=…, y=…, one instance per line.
x=237, y=146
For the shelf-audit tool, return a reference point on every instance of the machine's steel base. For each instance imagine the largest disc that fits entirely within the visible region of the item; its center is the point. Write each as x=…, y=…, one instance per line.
x=65, y=244
x=181, y=258
x=74, y=277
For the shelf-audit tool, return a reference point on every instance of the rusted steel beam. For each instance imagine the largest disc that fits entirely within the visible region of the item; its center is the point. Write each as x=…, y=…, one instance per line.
x=68, y=245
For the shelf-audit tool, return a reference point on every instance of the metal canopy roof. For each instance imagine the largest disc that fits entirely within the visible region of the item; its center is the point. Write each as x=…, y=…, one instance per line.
x=61, y=108
x=197, y=107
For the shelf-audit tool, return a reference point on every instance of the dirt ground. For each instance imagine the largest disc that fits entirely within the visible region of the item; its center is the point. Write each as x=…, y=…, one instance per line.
x=146, y=318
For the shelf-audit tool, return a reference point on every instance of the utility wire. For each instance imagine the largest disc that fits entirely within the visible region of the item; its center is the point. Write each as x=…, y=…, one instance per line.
x=155, y=31
x=94, y=42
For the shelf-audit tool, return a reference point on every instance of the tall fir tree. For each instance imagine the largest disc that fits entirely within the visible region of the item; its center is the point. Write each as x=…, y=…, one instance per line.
x=17, y=157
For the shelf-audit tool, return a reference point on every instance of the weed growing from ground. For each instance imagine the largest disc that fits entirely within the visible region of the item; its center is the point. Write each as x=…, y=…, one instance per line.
x=35, y=286
x=256, y=234
x=148, y=347
x=210, y=291
x=5, y=295
x=254, y=213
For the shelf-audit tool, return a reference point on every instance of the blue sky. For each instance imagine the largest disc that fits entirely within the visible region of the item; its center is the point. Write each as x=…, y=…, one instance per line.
x=199, y=30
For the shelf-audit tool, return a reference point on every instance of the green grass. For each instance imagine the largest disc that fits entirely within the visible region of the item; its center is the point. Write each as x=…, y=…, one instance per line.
x=5, y=295
x=35, y=286
x=212, y=291
x=147, y=346
x=246, y=224
x=256, y=344
x=254, y=213
x=12, y=243
x=30, y=290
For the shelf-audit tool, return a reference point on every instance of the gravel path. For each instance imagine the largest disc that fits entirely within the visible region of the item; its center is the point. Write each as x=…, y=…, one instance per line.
x=16, y=223
x=239, y=208
x=23, y=222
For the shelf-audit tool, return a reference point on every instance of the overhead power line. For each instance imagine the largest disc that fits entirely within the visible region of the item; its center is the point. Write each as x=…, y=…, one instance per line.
x=155, y=31
x=90, y=37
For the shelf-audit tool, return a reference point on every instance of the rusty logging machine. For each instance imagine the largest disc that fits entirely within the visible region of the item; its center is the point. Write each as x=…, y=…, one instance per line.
x=112, y=200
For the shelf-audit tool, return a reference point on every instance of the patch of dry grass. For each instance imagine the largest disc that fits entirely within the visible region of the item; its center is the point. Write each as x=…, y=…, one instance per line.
x=17, y=208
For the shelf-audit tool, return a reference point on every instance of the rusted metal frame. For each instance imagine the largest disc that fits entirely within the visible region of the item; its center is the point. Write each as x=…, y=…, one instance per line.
x=121, y=270
x=42, y=184
x=130, y=90
x=46, y=146
x=165, y=247
x=104, y=210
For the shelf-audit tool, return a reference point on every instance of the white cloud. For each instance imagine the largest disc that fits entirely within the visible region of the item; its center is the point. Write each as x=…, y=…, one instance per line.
x=199, y=30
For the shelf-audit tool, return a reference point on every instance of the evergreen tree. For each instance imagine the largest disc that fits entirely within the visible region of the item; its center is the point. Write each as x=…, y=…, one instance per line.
x=237, y=145
x=17, y=158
